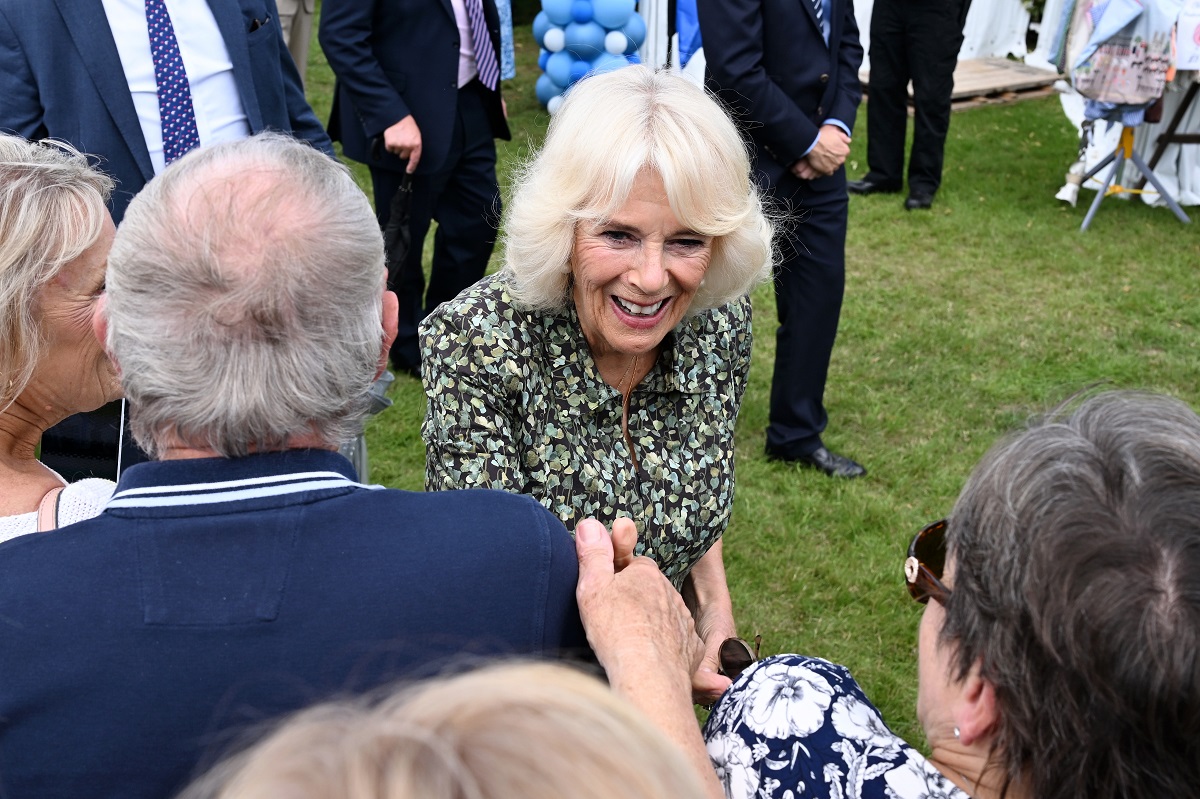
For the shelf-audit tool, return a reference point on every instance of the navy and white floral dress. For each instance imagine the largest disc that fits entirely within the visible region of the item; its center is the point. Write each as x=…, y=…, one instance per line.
x=795, y=726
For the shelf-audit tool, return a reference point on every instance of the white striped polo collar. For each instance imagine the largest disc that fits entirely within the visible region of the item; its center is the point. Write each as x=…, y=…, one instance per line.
x=232, y=490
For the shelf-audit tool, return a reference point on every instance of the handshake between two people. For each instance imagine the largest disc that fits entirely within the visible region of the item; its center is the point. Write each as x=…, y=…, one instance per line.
x=646, y=640
x=639, y=626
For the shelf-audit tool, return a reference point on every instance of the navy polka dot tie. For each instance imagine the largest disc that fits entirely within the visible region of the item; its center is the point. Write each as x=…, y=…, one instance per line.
x=174, y=93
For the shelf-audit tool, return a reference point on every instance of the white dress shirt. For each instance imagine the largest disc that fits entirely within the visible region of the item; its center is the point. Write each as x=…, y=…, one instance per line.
x=467, y=68
x=220, y=115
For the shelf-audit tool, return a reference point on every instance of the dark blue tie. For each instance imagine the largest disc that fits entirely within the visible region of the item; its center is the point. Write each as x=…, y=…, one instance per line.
x=174, y=93
x=819, y=7
x=485, y=55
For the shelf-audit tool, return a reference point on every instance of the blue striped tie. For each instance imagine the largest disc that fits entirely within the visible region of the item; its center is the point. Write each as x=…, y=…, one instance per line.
x=485, y=54
x=819, y=7
x=175, y=109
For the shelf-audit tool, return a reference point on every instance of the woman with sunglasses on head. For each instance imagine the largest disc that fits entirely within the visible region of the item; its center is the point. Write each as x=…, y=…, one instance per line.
x=1059, y=647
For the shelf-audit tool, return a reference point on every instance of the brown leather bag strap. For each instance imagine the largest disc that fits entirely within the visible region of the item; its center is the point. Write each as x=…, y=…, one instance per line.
x=47, y=518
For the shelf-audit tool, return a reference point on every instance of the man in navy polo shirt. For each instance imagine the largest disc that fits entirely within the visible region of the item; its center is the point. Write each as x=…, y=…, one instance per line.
x=244, y=573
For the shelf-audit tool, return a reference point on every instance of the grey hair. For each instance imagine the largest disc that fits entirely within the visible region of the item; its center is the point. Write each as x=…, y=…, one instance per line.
x=244, y=300
x=1076, y=551
x=52, y=209
x=610, y=128
x=507, y=731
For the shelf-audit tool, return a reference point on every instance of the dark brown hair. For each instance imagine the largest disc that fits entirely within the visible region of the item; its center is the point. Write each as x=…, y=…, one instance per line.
x=1077, y=588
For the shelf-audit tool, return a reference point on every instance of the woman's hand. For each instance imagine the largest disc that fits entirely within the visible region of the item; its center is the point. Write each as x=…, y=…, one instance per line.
x=707, y=595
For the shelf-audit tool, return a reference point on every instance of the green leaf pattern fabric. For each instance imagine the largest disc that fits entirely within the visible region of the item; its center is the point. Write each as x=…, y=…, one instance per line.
x=516, y=403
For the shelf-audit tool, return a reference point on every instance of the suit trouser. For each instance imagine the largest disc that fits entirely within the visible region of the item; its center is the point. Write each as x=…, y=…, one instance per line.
x=915, y=40
x=296, y=24
x=809, y=285
x=463, y=196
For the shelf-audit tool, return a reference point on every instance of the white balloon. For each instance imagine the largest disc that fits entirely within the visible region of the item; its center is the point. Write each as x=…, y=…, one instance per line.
x=554, y=103
x=615, y=42
x=554, y=40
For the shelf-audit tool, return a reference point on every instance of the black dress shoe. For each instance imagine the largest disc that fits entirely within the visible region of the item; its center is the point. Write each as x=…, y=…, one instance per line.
x=869, y=186
x=401, y=367
x=918, y=201
x=828, y=462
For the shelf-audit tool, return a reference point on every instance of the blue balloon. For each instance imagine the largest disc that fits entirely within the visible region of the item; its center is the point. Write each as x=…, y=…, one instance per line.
x=579, y=70
x=543, y=57
x=633, y=58
x=541, y=24
x=581, y=11
x=585, y=40
x=558, y=11
x=545, y=89
x=613, y=14
x=558, y=67
x=607, y=62
x=635, y=31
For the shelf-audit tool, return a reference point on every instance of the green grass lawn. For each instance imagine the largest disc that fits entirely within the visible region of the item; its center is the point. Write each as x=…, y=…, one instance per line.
x=958, y=324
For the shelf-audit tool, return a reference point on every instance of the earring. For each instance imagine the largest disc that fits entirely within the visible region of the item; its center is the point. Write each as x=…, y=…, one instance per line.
x=956, y=735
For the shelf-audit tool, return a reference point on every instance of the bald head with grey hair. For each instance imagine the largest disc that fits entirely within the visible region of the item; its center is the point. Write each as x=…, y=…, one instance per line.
x=1076, y=552
x=244, y=301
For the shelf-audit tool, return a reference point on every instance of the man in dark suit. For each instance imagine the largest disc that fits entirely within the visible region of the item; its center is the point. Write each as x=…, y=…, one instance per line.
x=418, y=92
x=246, y=572
x=918, y=41
x=789, y=70
x=62, y=76
x=68, y=71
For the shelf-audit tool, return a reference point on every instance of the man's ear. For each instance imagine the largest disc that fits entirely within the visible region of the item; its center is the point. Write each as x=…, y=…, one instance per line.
x=100, y=328
x=391, y=327
x=976, y=712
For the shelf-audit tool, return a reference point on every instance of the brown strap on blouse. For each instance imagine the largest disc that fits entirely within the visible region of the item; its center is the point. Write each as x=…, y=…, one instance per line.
x=47, y=518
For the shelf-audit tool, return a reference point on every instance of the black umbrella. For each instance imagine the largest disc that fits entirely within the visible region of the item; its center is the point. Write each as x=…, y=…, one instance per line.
x=397, y=237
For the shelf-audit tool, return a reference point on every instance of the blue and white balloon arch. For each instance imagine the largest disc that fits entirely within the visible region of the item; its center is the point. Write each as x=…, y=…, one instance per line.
x=583, y=37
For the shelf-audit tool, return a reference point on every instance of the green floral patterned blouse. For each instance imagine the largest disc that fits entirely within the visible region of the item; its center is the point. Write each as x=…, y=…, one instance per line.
x=516, y=403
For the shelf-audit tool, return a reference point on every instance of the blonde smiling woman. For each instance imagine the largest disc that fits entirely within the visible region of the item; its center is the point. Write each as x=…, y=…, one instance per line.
x=601, y=372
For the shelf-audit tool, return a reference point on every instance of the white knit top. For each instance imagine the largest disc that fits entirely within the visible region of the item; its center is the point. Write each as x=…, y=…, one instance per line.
x=78, y=501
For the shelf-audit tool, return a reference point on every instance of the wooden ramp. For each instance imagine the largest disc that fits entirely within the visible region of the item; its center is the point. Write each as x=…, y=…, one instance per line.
x=987, y=81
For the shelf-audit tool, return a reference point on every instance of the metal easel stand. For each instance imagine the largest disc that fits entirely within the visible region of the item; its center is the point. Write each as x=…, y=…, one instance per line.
x=1125, y=151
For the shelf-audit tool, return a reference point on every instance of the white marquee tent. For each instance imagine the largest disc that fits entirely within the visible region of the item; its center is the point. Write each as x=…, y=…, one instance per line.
x=994, y=28
x=998, y=28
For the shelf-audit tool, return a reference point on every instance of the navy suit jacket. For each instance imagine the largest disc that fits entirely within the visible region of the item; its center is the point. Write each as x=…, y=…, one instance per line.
x=214, y=594
x=768, y=61
x=61, y=77
x=393, y=58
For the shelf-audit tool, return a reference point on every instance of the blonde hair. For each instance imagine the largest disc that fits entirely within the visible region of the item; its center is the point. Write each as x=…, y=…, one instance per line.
x=516, y=730
x=610, y=128
x=52, y=209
